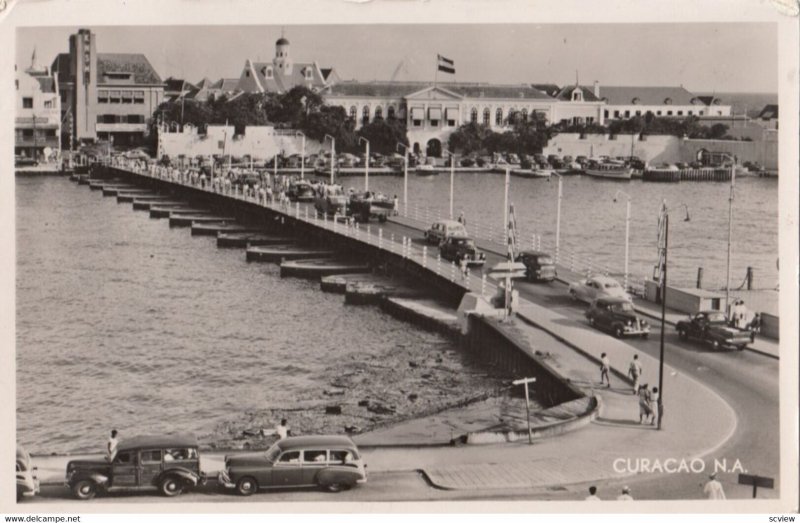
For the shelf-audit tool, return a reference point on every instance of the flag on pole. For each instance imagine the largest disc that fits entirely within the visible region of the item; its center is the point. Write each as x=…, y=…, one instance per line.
x=445, y=64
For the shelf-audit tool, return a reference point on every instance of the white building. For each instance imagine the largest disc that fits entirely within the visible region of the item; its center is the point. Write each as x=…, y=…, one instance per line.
x=37, y=123
x=677, y=102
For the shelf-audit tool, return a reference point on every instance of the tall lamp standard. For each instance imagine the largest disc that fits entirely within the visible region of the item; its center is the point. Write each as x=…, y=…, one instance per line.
x=366, y=163
x=452, y=174
x=405, y=176
x=558, y=213
x=730, y=232
x=302, y=154
x=627, y=231
x=333, y=153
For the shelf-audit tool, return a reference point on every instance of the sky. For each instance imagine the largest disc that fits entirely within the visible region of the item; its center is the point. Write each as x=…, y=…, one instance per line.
x=703, y=57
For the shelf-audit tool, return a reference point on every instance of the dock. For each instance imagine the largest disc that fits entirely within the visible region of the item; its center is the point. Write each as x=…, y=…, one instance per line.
x=318, y=267
x=276, y=253
x=246, y=239
x=186, y=220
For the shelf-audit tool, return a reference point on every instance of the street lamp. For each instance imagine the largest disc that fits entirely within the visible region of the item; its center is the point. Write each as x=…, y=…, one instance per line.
x=366, y=163
x=302, y=154
x=405, y=176
x=730, y=231
x=627, y=231
x=558, y=213
x=333, y=153
x=452, y=174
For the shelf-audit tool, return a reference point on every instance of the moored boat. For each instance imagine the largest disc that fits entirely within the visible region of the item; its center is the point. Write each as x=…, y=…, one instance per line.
x=609, y=169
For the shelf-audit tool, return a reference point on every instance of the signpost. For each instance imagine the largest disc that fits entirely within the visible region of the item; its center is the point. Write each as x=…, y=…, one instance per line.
x=525, y=381
x=756, y=481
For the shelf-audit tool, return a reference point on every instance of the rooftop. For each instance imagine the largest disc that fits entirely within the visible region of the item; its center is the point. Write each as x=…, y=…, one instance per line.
x=136, y=442
x=627, y=95
x=466, y=90
x=315, y=441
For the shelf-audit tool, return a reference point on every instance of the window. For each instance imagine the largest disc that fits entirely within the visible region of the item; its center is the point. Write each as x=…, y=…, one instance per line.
x=27, y=133
x=353, y=112
x=690, y=113
x=487, y=116
x=577, y=96
x=669, y=113
x=605, y=113
x=342, y=456
x=590, y=119
x=291, y=457
x=315, y=456
x=701, y=113
x=498, y=116
x=365, y=115
x=616, y=114
x=27, y=103
x=658, y=113
x=127, y=97
x=138, y=97
x=473, y=115
x=247, y=73
x=379, y=113
x=308, y=73
x=114, y=97
x=125, y=458
x=268, y=72
x=48, y=104
x=151, y=456
x=390, y=112
x=102, y=97
x=638, y=113
x=135, y=118
x=680, y=113
x=627, y=114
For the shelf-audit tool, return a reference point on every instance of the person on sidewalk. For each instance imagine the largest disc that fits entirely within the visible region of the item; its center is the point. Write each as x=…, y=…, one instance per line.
x=654, y=406
x=635, y=372
x=111, y=446
x=713, y=489
x=283, y=429
x=644, y=404
x=592, y=494
x=605, y=367
x=626, y=495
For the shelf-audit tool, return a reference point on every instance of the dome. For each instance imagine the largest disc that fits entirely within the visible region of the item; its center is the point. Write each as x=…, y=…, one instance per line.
x=282, y=41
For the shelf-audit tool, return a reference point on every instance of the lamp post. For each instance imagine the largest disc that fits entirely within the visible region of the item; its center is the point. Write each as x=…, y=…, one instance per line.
x=333, y=153
x=452, y=175
x=730, y=232
x=663, y=317
x=366, y=163
x=302, y=154
x=505, y=204
x=405, y=176
x=558, y=214
x=627, y=231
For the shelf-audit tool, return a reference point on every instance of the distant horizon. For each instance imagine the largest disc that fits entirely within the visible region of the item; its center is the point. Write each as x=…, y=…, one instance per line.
x=738, y=58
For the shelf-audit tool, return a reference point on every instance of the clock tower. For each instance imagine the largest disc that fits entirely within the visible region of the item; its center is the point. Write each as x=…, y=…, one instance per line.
x=83, y=68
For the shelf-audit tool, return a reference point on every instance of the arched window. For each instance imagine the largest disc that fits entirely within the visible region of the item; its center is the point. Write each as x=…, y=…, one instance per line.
x=474, y=115
x=498, y=117
x=668, y=101
x=353, y=112
x=365, y=115
x=379, y=113
x=390, y=112
x=525, y=115
x=487, y=116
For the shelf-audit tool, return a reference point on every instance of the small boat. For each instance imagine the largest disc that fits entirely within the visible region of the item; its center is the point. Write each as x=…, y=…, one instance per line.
x=247, y=239
x=533, y=172
x=277, y=253
x=609, y=169
x=213, y=228
x=317, y=267
x=426, y=170
x=186, y=220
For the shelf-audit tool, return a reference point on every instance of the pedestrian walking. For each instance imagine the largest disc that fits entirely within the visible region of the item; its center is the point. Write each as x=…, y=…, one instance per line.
x=462, y=220
x=282, y=430
x=713, y=489
x=635, y=372
x=626, y=495
x=396, y=205
x=462, y=265
x=592, y=494
x=644, y=404
x=605, y=367
x=653, y=405
x=111, y=446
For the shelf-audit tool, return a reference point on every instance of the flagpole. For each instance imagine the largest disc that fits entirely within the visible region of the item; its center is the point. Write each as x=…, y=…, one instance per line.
x=436, y=73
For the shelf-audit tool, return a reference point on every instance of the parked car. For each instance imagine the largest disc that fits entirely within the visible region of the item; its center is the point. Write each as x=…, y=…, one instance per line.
x=512, y=158
x=330, y=462
x=567, y=159
x=27, y=482
x=596, y=287
x=539, y=266
x=443, y=229
x=712, y=327
x=300, y=191
x=457, y=247
x=170, y=464
x=617, y=315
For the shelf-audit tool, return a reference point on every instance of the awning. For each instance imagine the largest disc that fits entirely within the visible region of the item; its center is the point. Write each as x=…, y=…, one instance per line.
x=417, y=113
x=452, y=113
x=114, y=94
x=435, y=113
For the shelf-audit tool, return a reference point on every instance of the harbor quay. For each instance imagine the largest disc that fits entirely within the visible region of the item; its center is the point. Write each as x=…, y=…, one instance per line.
x=580, y=430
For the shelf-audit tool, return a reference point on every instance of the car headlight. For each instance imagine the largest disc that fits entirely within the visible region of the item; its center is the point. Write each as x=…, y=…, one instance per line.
x=630, y=323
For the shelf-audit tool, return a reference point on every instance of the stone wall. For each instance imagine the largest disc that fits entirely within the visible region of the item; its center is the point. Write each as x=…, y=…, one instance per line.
x=260, y=142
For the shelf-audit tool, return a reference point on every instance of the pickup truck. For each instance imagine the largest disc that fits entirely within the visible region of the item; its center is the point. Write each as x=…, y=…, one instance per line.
x=712, y=327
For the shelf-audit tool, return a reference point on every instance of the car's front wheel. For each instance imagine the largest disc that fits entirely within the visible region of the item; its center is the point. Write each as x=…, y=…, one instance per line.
x=84, y=489
x=171, y=486
x=336, y=487
x=247, y=486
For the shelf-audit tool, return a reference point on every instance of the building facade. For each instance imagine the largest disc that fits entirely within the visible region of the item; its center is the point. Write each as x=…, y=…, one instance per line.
x=106, y=96
x=283, y=73
x=433, y=112
x=627, y=102
x=37, y=122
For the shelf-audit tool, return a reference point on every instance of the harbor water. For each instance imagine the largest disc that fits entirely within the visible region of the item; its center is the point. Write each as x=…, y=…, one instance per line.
x=125, y=323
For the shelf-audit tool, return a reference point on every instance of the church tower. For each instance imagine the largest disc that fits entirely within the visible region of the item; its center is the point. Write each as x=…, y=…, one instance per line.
x=282, y=61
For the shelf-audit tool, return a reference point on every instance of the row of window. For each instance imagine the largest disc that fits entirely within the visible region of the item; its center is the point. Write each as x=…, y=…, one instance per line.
x=627, y=114
x=27, y=103
x=40, y=133
x=120, y=97
x=391, y=113
x=120, y=118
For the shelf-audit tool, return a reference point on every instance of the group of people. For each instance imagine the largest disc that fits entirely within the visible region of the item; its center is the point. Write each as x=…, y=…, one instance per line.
x=712, y=490
x=650, y=408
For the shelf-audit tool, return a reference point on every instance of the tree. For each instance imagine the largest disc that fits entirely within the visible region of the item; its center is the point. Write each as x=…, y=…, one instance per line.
x=292, y=106
x=531, y=134
x=330, y=120
x=383, y=135
x=717, y=131
x=468, y=138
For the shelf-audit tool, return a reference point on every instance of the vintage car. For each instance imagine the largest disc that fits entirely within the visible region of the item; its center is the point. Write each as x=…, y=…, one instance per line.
x=539, y=266
x=330, y=462
x=27, y=482
x=442, y=229
x=331, y=201
x=618, y=316
x=367, y=205
x=713, y=328
x=300, y=191
x=595, y=287
x=170, y=464
x=457, y=247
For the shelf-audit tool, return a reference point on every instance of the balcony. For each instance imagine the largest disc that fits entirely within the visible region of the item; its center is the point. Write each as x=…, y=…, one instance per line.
x=120, y=127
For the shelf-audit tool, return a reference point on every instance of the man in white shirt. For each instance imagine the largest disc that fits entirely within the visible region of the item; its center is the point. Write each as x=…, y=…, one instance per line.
x=626, y=495
x=592, y=494
x=111, y=446
x=713, y=488
x=282, y=430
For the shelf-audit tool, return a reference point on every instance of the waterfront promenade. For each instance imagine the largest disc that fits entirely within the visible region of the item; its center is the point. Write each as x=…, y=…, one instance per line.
x=698, y=420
